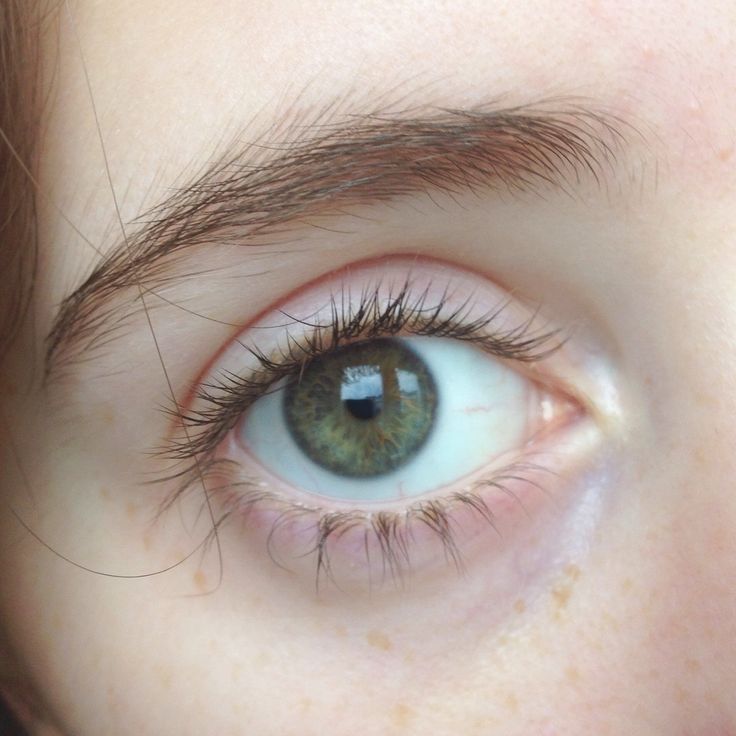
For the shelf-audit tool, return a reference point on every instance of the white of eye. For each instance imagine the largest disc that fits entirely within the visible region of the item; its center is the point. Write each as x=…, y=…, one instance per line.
x=483, y=412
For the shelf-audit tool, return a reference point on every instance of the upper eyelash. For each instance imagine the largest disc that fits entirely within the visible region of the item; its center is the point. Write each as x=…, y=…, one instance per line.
x=375, y=316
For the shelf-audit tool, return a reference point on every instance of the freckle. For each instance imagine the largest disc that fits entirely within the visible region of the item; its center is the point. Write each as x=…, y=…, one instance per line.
x=572, y=674
x=611, y=621
x=147, y=542
x=700, y=456
x=306, y=704
x=105, y=493
x=379, y=640
x=693, y=665
x=627, y=585
x=681, y=695
x=200, y=580
x=341, y=631
x=562, y=592
x=402, y=715
x=483, y=726
x=725, y=154
x=520, y=606
x=107, y=415
x=131, y=509
x=112, y=701
x=164, y=675
x=409, y=658
x=561, y=595
x=512, y=702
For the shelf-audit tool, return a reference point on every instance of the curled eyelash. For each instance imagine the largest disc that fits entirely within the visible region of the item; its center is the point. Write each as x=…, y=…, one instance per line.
x=224, y=401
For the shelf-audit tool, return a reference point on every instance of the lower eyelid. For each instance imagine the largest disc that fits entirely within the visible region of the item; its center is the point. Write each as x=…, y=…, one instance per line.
x=359, y=548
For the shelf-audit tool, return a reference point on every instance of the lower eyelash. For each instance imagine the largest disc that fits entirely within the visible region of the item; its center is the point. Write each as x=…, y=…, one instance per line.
x=371, y=540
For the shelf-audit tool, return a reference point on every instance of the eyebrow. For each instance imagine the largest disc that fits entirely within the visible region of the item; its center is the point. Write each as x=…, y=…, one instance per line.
x=327, y=166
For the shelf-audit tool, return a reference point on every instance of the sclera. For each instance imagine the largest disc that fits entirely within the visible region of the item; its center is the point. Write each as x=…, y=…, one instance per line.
x=484, y=410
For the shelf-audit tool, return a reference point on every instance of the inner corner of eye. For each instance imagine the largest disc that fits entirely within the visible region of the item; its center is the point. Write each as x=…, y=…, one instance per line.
x=557, y=407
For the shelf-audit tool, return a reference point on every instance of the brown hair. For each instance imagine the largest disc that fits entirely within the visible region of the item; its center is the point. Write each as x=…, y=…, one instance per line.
x=21, y=24
x=21, y=31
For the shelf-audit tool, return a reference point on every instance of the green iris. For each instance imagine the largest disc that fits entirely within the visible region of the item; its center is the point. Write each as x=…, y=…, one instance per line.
x=362, y=410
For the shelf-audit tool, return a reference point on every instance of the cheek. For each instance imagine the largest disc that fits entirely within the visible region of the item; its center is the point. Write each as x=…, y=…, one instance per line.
x=702, y=569
x=678, y=598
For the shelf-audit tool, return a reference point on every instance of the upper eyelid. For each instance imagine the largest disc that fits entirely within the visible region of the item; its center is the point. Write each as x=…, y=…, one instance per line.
x=366, y=159
x=230, y=395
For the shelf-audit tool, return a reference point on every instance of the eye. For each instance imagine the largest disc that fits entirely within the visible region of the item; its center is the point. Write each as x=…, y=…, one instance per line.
x=392, y=419
x=385, y=418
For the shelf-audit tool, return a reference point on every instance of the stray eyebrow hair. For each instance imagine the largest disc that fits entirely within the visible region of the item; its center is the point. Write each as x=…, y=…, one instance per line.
x=258, y=189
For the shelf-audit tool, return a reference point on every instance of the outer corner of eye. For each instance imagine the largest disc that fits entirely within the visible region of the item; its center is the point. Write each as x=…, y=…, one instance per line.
x=396, y=397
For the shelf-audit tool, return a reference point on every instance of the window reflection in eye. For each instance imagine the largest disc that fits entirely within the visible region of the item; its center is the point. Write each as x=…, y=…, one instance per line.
x=389, y=410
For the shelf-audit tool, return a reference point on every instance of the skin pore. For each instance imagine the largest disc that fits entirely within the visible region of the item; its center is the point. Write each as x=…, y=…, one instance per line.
x=607, y=607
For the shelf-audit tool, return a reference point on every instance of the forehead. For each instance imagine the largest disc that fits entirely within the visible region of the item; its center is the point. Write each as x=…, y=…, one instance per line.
x=172, y=81
x=183, y=72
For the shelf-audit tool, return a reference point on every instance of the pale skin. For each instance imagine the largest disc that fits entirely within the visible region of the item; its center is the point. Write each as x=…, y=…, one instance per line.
x=621, y=625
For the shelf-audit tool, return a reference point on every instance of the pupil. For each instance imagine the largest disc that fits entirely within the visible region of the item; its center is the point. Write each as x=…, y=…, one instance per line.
x=362, y=391
x=363, y=408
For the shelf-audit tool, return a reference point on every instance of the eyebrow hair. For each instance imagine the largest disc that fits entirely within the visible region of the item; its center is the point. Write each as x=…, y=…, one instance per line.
x=327, y=166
